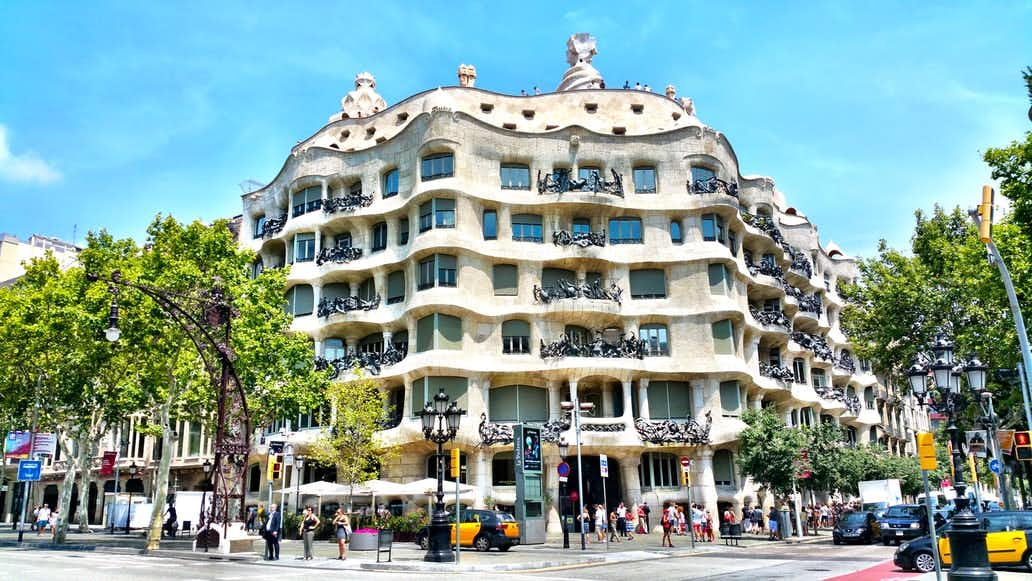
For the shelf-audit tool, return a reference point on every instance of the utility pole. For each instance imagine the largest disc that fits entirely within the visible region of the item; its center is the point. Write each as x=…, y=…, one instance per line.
x=27, y=486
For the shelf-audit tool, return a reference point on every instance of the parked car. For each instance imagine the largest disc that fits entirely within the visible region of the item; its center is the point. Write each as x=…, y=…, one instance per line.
x=480, y=529
x=856, y=527
x=1008, y=539
x=917, y=554
x=904, y=522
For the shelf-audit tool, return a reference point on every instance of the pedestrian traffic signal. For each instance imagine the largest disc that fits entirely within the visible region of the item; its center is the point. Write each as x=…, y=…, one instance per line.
x=455, y=463
x=926, y=450
x=275, y=468
x=985, y=214
x=1023, y=444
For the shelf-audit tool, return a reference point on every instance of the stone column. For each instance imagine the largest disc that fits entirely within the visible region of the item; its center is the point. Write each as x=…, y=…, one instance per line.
x=643, y=398
x=318, y=241
x=632, y=482
x=352, y=343
x=704, y=487
x=482, y=479
x=550, y=483
x=628, y=413
x=478, y=399
x=607, y=400
x=787, y=416
x=407, y=400
x=553, y=400
x=387, y=336
x=353, y=288
x=698, y=400
x=319, y=348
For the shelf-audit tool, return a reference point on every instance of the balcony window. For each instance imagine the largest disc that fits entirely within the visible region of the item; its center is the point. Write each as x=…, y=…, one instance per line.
x=518, y=403
x=702, y=174
x=550, y=277
x=372, y=343
x=659, y=470
x=390, y=183
x=515, y=337
x=655, y=338
x=438, y=331
x=670, y=400
x=437, y=213
x=724, y=337
x=588, y=172
x=645, y=180
x=367, y=290
x=774, y=356
x=732, y=242
x=526, y=228
x=259, y=225
x=307, y=200
x=304, y=247
x=437, y=270
x=625, y=231
x=772, y=305
x=300, y=299
x=490, y=225
x=403, y=231
x=648, y=283
x=396, y=287
x=441, y=165
x=676, y=236
x=720, y=281
x=343, y=240
x=723, y=468
x=425, y=388
x=380, y=236
x=713, y=228
x=730, y=398
x=818, y=378
x=515, y=177
x=799, y=370
x=581, y=226
x=506, y=279
x=426, y=216
x=333, y=348
x=578, y=335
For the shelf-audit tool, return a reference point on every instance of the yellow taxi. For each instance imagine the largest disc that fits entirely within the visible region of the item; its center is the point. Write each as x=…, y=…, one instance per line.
x=1008, y=539
x=480, y=529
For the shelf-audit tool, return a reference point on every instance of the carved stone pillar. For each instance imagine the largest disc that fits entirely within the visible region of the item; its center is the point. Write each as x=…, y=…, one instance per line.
x=353, y=289
x=482, y=479
x=387, y=336
x=316, y=297
x=318, y=241
x=704, y=486
x=607, y=400
x=757, y=402
x=407, y=400
x=643, y=398
x=352, y=343
x=319, y=348
x=628, y=404
x=325, y=190
x=553, y=400
x=631, y=479
x=479, y=399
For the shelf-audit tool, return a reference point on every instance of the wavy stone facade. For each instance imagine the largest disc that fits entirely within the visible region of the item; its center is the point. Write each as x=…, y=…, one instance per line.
x=520, y=250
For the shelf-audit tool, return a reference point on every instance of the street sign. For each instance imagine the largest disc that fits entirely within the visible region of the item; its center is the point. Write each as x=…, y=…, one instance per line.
x=107, y=463
x=276, y=446
x=995, y=467
x=603, y=465
x=1006, y=440
x=975, y=442
x=28, y=470
x=563, y=469
x=686, y=463
x=926, y=450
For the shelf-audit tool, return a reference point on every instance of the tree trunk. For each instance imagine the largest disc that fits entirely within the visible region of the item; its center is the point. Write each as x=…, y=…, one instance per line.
x=87, y=450
x=160, y=490
x=65, y=502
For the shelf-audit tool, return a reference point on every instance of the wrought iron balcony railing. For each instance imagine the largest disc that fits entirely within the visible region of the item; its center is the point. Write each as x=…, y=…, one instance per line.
x=329, y=306
x=676, y=432
x=492, y=433
x=801, y=263
x=560, y=181
x=338, y=254
x=307, y=207
x=778, y=372
x=770, y=318
x=713, y=185
x=581, y=239
x=853, y=404
x=630, y=347
x=566, y=289
x=810, y=304
x=348, y=203
x=846, y=363
x=764, y=267
x=815, y=344
x=766, y=225
x=371, y=362
x=273, y=226
x=831, y=393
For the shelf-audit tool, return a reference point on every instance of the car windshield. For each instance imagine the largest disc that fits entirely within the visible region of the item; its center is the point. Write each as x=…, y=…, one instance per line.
x=854, y=519
x=505, y=517
x=903, y=512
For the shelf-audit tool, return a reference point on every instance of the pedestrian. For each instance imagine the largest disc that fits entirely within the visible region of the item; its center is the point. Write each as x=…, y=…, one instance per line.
x=645, y=511
x=772, y=524
x=637, y=86
x=272, y=531
x=621, y=519
x=697, y=517
x=523, y=92
x=825, y=516
x=537, y=91
x=600, y=523
x=42, y=518
x=342, y=528
x=707, y=526
x=252, y=517
x=613, y=526
x=309, y=522
x=52, y=523
x=643, y=528
x=585, y=520
x=785, y=524
x=805, y=520
x=626, y=84
x=668, y=523
x=758, y=520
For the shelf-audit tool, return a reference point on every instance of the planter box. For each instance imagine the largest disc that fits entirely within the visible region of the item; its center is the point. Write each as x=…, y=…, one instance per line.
x=362, y=541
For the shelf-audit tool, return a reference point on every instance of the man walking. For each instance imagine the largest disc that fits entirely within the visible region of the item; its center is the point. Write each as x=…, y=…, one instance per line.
x=42, y=519
x=273, y=530
x=646, y=510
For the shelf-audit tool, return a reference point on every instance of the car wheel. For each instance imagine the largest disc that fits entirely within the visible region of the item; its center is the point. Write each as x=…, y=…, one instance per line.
x=504, y=548
x=924, y=562
x=1028, y=560
x=424, y=542
x=482, y=543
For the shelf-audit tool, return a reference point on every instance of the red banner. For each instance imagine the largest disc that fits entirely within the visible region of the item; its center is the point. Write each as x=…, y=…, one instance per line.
x=107, y=464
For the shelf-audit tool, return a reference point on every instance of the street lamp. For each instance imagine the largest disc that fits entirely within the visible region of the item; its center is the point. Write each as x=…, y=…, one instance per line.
x=133, y=469
x=577, y=407
x=967, y=537
x=440, y=424
x=299, y=465
x=564, y=448
x=203, y=525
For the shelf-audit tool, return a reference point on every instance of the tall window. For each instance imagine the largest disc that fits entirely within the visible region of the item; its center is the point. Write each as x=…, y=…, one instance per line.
x=799, y=370
x=304, y=247
x=720, y=281
x=625, y=231
x=506, y=279
x=425, y=388
x=195, y=439
x=307, y=200
x=333, y=348
x=645, y=180
x=818, y=378
x=515, y=337
x=515, y=177
x=490, y=225
x=648, y=283
x=367, y=289
x=437, y=270
x=669, y=400
x=581, y=226
x=403, y=231
x=441, y=165
x=655, y=338
x=701, y=174
x=774, y=356
x=396, y=287
x=676, y=236
x=550, y=277
x=730, y=398
x=713, y=228
x=659, y=470
x=299, y=300
x=724, y=337
x=259, y=225
x=732, y=242
x=518, y=403
x=438, y=331
x=437, y=213
x=723, y=468
x=578, y=335
x=390, y=183
x=380, y=236
x=526, y=228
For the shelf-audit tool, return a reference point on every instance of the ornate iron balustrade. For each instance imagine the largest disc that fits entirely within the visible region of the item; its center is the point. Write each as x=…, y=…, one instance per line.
x=846, y=363
x=810, y=304
x=329, y=306
x=770, y=318
x=815, y=344
x=372, y=362
x=853, y=404
x=629, y=347
x=778, y=372
x=581, y=239
x=338, y=254
x=597, y=427
x=491, y=434
x=764, y=267
x=566, y=289
x=560, y=181
x=831, y=393
x=766, y=225
x=348, y=203
x=273, y=226
x=713, y=185
x=800, y=263
x=674, y=432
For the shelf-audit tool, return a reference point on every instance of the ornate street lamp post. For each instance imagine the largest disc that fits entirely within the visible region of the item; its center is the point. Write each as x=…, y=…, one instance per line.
x=205, y=513
x=299, y=465
x=133, y=469
x=564, y=448
x=440, y=425
x=967, y=538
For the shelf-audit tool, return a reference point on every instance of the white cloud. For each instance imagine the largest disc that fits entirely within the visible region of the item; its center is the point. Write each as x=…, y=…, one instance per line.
x=26, y=167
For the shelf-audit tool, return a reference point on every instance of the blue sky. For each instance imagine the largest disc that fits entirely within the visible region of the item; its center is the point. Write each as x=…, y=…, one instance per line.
x=861, y=112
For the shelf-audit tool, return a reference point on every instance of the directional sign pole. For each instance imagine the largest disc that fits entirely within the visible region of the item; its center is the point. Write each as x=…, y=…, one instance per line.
x=604, y=469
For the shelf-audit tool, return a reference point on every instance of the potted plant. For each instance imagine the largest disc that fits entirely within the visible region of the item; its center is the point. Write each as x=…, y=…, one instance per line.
x=363, y=539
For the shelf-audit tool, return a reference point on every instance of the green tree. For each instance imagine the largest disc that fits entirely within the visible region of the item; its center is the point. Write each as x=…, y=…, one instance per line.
x=768, y=451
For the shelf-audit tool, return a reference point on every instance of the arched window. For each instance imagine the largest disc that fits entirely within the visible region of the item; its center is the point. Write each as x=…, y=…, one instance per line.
x=333, y=348
x=658, y=470
x=431, y=467
x=436, y=166
x=300, y=300
x=515, y=336
x=503, y=469
x=656, y=341
x=518, y=403
x=702, y=174
x=259, y=226
x=723, y=468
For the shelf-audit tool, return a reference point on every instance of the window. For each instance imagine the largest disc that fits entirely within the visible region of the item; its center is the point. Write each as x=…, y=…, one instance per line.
x=719, y=279
x=506, y=279
x=438, y=331
x=367, y=289
x=723, y=468
x=300, y=299
x=713, y=228
x=490, y=225
x=307, y=200
x=769, y=260
x=581, y=226
x=333, y=348
x=254, y=479
x=526, y=228
x=588, y=173
x=676, y=236
x=390, y=183
x=304, y=247
x=724, y=337
x=426, y=216
x=515, y=337
x=655, y=338
x=372, y=343
x=431, y=467
x=257, y=267
x=425, y=388
x=403, y=231
x=380, y=236
x=441, y=165
x=625, y=231
x=869, y=397
x=515, y=177
x=701, y=174
x=518, y=403
x=578, y=335
x=669, y=400
x=772, y=305
x=396, y=287
x=648, y=283
x=732, y=242
x=259, y=226
x=658, y=470
x=645, y=180
x=503, y=469
x=195, y=439
x=774, y=356
x=437, y=213
x=343, y=240
x=439, y=270
x=799, y=370
x=818, y=378
x=550, y=277
x=730, y=398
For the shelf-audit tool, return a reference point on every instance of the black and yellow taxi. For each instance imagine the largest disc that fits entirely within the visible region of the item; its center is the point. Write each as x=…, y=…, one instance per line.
x=480, y=529
x=1008, y=539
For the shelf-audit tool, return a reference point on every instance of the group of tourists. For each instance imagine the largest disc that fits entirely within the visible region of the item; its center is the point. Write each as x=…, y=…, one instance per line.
x=44, y=519
x=271, y=526
x=622, y=523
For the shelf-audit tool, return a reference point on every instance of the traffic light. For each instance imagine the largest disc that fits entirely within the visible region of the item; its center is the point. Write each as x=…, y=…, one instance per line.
x=275, y=467
x=455, y=463
x=926, y=451
x=985, y=213
x=1023, y=444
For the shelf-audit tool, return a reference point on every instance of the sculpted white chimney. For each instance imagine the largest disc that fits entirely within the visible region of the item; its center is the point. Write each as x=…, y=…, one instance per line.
x=467, y=75
x=363, y=101
x=580, y=49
